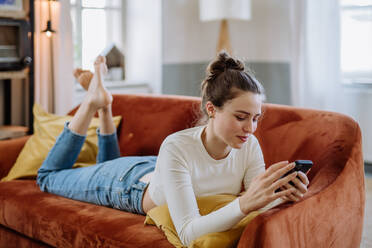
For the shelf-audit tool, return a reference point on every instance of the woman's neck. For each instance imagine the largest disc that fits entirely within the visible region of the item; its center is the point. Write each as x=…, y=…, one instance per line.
x=215, y=147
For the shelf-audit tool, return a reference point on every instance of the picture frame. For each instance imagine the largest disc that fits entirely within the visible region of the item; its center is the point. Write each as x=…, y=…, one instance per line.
x=11, y=5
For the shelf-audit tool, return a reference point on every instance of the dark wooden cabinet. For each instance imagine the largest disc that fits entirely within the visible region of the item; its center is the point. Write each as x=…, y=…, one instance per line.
x=17, y=63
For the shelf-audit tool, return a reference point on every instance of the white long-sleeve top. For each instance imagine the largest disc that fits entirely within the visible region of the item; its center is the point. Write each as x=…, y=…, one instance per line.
x=184, y=171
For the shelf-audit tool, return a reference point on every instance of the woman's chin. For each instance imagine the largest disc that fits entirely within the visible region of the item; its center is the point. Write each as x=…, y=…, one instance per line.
x=236, y=145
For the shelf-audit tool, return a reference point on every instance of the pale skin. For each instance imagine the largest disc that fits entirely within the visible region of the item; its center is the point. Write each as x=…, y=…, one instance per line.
x=228, y=127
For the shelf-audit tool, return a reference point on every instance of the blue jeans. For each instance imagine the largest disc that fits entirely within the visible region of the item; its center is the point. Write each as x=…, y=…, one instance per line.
x=113, y=181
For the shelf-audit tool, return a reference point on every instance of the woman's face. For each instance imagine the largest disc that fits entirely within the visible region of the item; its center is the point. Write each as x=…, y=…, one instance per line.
x=237, y=119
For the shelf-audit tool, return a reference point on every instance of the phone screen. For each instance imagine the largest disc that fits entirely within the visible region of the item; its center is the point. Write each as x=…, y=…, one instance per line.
x=303, y=165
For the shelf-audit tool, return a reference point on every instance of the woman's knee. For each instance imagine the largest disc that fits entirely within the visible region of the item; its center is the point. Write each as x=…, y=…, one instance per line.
x=41, y=179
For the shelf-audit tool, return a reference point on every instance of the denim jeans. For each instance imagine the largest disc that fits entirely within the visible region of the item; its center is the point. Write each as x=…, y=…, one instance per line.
x=113, y=181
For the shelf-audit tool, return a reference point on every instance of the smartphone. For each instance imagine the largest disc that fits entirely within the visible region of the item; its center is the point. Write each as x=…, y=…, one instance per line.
x=300, y=165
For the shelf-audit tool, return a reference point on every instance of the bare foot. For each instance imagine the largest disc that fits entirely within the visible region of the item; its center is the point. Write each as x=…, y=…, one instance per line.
x=78, y=71
x=97, y=94
x=83, y=77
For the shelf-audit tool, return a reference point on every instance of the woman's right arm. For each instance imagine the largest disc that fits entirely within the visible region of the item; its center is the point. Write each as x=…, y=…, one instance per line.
x=181, y=200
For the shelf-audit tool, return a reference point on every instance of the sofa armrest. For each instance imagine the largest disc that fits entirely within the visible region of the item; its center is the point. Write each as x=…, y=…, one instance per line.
x=331, y=217
x=9, y=150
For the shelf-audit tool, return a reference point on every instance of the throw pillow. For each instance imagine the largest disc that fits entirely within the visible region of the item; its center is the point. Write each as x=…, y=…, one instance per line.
x=160, y=217
x=47, y=127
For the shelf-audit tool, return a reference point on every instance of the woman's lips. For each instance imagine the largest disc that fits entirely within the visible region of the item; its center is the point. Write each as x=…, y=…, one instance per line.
x=243, y=138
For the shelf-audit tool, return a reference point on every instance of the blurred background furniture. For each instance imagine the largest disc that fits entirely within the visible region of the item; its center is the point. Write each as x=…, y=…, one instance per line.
x=16, y=67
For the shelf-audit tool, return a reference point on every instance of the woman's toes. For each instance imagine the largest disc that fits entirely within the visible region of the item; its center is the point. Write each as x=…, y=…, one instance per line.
x=85, y=78
x=100, y=60
x=77, y=72
x=100, y=65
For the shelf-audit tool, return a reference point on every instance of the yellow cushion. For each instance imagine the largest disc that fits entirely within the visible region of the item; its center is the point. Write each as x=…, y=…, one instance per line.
x=160, y=217
x=47, y=127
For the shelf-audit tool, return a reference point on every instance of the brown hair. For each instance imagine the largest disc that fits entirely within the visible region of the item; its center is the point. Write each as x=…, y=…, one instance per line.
x=225, y=77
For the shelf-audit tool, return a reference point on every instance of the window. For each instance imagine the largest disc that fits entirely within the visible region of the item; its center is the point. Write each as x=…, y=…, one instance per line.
x=356, y=41
x=96, y=25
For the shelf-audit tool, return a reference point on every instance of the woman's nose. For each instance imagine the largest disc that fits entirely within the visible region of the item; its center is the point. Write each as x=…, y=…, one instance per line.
x=248, y=127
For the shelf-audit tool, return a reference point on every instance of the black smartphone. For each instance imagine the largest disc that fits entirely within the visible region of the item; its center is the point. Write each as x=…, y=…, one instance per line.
x=300, y=165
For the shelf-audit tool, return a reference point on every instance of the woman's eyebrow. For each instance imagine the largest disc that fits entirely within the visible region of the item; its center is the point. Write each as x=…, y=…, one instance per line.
x=247, y=113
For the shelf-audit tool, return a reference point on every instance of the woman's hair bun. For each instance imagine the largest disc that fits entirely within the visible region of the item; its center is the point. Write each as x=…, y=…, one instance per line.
x=225, y=80
x=224, y=62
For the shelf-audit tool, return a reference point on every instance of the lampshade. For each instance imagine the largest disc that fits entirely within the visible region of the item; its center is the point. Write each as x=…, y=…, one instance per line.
x=48, y=30
x=210, y=10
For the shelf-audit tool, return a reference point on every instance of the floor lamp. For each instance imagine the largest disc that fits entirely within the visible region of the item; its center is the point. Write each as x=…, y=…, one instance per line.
x=224, y=10
x=49, y=31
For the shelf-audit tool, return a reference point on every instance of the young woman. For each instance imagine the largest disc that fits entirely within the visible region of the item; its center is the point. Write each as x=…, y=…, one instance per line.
x=215, y=158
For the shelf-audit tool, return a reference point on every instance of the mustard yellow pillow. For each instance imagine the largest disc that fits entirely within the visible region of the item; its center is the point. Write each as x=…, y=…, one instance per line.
x=160, y=217
x=47, y=127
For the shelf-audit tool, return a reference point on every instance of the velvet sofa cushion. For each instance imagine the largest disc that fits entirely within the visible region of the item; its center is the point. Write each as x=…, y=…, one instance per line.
x=13, y=239
x=63, y=222
x=160, y=217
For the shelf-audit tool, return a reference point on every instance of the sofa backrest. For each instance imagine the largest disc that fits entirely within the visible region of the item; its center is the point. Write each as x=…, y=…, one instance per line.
x=329, y=139
x=149, y=119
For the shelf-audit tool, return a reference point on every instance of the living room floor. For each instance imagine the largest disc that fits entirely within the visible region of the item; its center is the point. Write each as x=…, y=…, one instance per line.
x=367, y=228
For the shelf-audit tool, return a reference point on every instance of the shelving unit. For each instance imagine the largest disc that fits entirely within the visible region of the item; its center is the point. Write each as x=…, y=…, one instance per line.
x=19, y=14
x=4, y=75
x=14, y=14
x=7, y=130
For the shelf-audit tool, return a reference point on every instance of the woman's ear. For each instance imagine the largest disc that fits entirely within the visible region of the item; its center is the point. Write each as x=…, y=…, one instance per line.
x=211, y=109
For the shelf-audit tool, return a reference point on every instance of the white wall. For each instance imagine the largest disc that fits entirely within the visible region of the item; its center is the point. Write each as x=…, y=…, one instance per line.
x=143, y=42
x=357, y=103
x=264, y=38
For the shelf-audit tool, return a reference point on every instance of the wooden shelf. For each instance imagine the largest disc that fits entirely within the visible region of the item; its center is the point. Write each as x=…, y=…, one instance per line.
x=14, y=74
x=13, y=14
x=11, y=132
x=17, y=14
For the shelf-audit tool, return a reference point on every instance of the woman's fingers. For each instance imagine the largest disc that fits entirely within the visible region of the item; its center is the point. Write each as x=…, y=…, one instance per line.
x=295, y=196
x=279, y=171
x=279, y=183
x=303, y=178
x=297, y=193
x=276, y=166
x=285, y=193
x=285, y=199
x=299, y=185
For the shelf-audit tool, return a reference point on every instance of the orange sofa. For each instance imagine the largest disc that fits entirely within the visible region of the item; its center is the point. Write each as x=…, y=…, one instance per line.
x=330, y=215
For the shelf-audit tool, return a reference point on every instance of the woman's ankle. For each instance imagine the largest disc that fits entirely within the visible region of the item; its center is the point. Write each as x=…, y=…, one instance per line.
x=104, y=110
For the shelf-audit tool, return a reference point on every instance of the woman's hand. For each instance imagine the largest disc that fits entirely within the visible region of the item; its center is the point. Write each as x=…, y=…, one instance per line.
x=300, y=183
x=262, y=188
